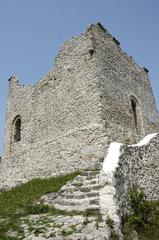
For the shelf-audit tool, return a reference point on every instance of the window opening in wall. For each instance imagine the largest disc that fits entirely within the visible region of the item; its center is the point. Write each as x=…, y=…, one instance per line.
x=134, y=109
x=17, y=129
x=133, y=104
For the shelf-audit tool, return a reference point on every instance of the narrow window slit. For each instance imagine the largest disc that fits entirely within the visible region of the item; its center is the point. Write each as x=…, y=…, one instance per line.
x=17, y=129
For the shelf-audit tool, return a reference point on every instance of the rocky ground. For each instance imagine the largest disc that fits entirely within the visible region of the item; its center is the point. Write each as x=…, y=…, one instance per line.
x=42, y=227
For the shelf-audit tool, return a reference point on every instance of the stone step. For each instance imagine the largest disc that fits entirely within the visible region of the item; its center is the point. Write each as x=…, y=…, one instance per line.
x=90, y=177
x=77, y=184
x=81, y=182
x=84, y=189
x=81, y=178
x=86, y=182
x=93, y=194
x=81, y=195
x=89, y=173
x=94, y=201
x=88, y=188
x=63, y=202
x=77, y=202
x=77, y=208
x=94, y=182
x=96, y=187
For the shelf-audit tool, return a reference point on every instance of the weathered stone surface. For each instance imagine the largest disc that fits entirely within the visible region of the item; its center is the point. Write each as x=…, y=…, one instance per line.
x=64, y=227
x=139, y=165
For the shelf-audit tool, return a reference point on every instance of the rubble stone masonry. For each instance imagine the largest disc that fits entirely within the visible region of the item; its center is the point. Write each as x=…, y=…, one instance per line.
x=95, y=94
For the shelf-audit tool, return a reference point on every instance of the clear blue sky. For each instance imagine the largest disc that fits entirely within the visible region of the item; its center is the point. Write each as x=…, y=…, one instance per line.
x=31, y=32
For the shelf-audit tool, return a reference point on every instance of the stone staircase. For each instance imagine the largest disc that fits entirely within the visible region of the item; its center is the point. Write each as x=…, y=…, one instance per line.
x=80, y=194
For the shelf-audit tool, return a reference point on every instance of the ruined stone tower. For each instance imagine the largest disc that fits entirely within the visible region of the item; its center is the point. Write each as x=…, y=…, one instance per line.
x=95, y=94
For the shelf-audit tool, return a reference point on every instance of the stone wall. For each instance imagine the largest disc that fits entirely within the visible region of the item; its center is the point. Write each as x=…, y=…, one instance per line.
x=120, y=80
x=138, y=165
x=125, y=166
x=61, y=129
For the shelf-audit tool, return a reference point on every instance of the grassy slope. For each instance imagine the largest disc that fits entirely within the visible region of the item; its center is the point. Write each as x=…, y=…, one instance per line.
x=14, y=203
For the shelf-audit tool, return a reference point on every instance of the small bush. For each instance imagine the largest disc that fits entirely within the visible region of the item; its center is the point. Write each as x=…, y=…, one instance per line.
x=140, y=209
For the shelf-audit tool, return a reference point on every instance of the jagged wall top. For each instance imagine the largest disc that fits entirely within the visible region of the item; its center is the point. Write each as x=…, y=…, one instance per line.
x=51, y=75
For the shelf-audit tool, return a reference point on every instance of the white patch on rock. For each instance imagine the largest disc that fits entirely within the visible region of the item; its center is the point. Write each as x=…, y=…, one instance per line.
x=112, y=158
x=108, y=204
x=144, y=141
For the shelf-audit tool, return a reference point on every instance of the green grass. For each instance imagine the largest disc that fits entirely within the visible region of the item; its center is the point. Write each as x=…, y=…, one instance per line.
x=20, y=201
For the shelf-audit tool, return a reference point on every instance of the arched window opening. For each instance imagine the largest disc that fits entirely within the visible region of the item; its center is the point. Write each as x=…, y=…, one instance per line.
x=136, y=115
x=17, y=129
x=134, y=109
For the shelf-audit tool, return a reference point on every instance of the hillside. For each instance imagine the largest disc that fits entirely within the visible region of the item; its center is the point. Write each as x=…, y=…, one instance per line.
x=24, y=214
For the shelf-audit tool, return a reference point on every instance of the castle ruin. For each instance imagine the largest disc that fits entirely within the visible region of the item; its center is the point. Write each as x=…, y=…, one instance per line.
x=95, y=94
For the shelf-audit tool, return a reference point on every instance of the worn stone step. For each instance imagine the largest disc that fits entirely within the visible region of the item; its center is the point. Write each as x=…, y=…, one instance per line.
x=94, y=182
x=79, y=178
x=89, y=188
x=77, y=184
x=89, y=173
x=81, y=195
x=74, y=202
x=90, y=177
x=94, y=201
x=76, y=196
x=93, y=194
x=84, y=188
x=90, y=192
x=94, y=207
x=96, y=187
x=87, y=176
x=63, y=202
x=90, y=181
x=77, y=207
x=85, y=182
